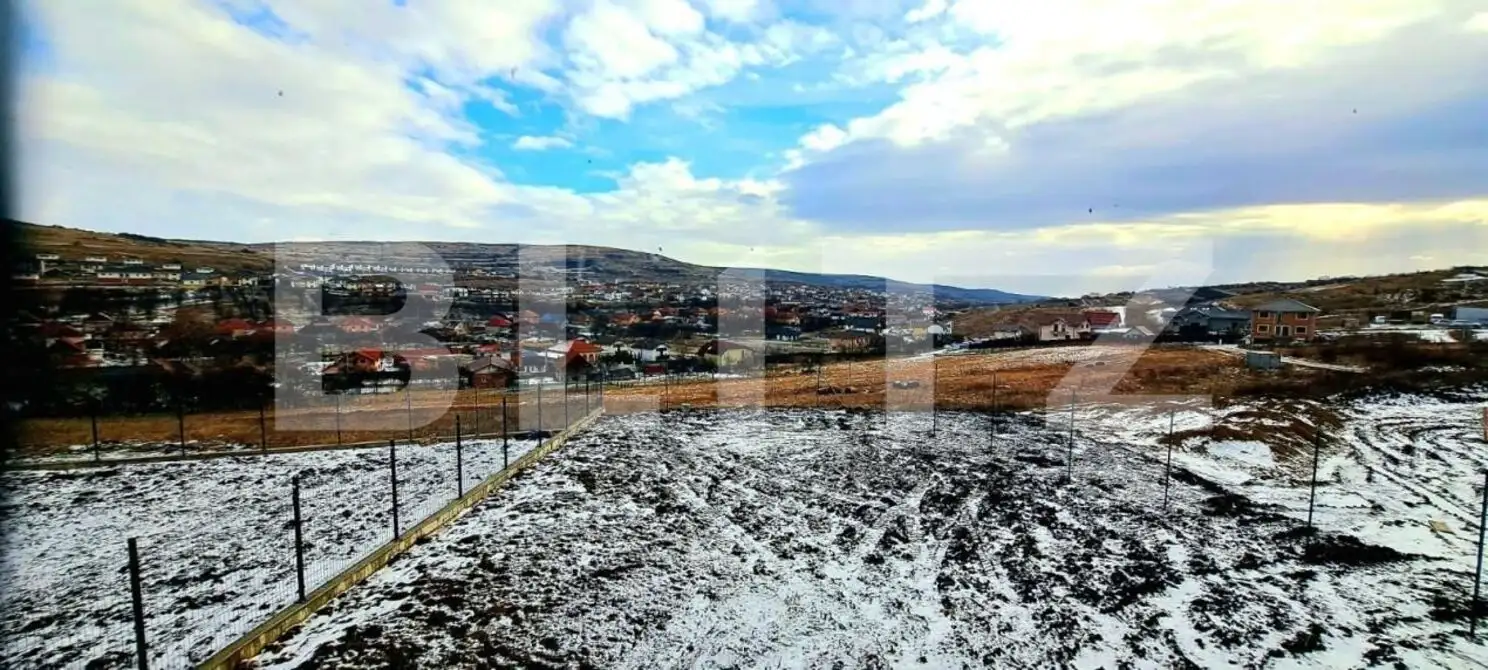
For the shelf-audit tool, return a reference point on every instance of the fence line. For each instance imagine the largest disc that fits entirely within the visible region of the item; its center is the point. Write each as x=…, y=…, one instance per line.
x=200, y=586
x=250, y=644
x=491, y=417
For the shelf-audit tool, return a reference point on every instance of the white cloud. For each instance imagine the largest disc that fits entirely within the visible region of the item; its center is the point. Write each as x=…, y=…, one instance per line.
x=738, y=11
x=670, y=17
x=533, y=143
x=1068, y=57
x=624, y=56
x=1478, y=23
x=165, y=117
x=927, y=11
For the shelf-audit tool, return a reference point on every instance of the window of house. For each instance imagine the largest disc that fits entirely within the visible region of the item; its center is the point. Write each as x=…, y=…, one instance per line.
x=1301, y=330
x=1263, y=315
x=1263, y=328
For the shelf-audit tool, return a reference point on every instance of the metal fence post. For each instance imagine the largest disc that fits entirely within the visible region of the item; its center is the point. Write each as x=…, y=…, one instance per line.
x=505, y=435
x=934, y=388
x=410, y=412
x=299, y=539
x=181, y=425
x=566, y=399
x=1317, y=443
x=459, y=461
x=141, y=650
x=338, y=419
x=93, y=416
x=1478, y=574
x=263, y=427
x=1168, y=469
x=1069, y=462
x=393, y=473
x=994, y=404
x=539, y=405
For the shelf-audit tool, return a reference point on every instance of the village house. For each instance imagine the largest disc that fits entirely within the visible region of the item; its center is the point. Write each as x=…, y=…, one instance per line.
x=357, y=325
x=576, y=352
x=648, y=351
x=488, y=372
x=234, y=328
x=276, y=326
x=782, y=333
x=1057, y=327
x=1284, y=319
x=361, y=361
x=1213, y=319
x=846, y=341
x=1102, y=319
x=731, y=354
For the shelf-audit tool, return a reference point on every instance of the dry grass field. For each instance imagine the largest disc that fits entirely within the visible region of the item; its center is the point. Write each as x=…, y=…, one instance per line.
x=74, y=244
x=1024, y=378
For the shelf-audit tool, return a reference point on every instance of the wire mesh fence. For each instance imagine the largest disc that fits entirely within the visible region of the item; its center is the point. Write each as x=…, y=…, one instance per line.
x=423, y=415
x=223, y=544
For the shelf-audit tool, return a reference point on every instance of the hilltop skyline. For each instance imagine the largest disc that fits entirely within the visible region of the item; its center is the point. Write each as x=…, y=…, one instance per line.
x=1052, y=150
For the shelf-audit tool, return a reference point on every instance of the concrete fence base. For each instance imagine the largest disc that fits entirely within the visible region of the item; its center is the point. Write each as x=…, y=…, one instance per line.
x=266, y=633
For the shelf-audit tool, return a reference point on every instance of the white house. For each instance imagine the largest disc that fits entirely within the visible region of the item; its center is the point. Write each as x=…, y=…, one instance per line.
x=649, y=352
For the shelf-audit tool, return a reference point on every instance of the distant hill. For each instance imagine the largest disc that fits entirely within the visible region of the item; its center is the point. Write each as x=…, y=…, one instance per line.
x=606, y=264
x=1339, y=298
x=73, y=243
x=941, y=291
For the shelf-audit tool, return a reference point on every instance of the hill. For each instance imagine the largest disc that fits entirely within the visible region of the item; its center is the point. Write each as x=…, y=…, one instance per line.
x=604, y=264
x=74, y=243
x=1339, y=298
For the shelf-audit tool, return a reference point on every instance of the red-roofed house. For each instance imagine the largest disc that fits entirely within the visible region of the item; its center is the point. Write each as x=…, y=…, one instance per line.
x=575, y=355
x=1102, y=319
x=277, y=327
x=234, y=327
x=357, y=324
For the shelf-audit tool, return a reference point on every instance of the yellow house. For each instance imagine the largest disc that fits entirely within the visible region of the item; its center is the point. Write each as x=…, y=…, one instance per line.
x=729, y=354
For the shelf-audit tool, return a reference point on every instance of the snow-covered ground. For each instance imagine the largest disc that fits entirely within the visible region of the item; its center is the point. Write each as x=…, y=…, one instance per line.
x=802, y=538
x=215, y=544
x=1435, y=334
x=1389, y=463
x=117, y=450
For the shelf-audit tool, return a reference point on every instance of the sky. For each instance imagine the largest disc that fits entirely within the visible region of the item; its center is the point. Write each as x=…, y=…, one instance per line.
x=1063, y=146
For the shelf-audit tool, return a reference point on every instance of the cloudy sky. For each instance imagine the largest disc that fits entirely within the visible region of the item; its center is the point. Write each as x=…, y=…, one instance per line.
x=1056, y=146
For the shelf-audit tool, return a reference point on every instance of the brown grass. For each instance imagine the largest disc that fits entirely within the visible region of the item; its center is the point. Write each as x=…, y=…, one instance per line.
x=432, y=420
x=962, y=382
x=72, y=245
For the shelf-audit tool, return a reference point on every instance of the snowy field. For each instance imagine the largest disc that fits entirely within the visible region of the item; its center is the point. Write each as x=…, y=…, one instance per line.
x=1434, y=334
x=215, y=544
x=796, y=539
x=114, y=450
